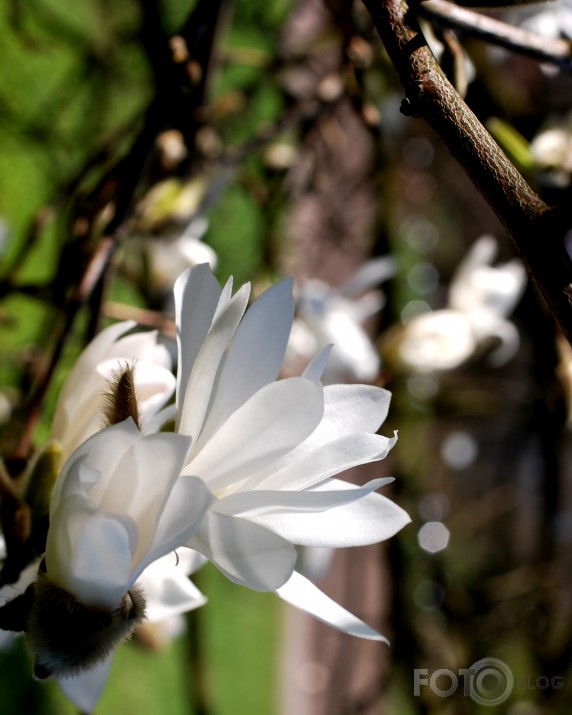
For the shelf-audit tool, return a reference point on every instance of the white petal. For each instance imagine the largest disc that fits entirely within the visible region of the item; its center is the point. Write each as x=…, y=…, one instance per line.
x=370, y=274
x=509, y=338
x=246, y=553
x=350, y=409
x=97, y=350
x=315, y=368
x=271, y=423
x=154, y=386
x=143, y=481
x=200, y=385
x=181, y=517
x=255, y=355
x=302, y=594
x=369, y=520
x=89, y=554
x=156, y=422
x=79, y=409
x=168, y=590
x=256, y=504
x=353, y=353
x=316, y=465
x=102, y=451
x=196, y=296
x=140, y=346
x=86, y=688
x=225, y=296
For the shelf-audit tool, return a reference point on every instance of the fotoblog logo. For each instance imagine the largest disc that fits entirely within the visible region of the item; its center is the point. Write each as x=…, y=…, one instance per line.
x=488, y=681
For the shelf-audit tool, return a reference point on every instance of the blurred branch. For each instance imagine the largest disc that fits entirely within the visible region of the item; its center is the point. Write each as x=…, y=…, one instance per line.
x=545, y=49
x=536, y=230
x=175, y=104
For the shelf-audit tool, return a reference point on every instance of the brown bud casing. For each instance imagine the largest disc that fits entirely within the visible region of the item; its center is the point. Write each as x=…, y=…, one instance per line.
x=66, y=637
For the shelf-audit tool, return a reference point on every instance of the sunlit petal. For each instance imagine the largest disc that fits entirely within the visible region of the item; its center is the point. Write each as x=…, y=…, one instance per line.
x=302, y=594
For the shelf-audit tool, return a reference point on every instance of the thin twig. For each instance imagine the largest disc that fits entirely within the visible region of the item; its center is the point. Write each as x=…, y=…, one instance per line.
x=546, y=49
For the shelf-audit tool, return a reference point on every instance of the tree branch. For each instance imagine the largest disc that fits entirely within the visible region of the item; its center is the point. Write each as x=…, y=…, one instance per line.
x=545, y=49
x=536, y=230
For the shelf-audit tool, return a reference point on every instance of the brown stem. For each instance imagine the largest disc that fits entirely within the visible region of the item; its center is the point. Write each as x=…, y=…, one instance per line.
x=536, y=230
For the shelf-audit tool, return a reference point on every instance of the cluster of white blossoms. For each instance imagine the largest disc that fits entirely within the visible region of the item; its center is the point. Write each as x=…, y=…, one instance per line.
x=336, y=316
x=249, y=472
x=481, y=296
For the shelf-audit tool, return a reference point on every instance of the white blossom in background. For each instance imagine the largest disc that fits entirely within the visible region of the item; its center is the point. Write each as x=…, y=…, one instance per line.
x=269, y=450
x=481, y=296
x=551, y=150
x=79, y=410
x=552, y=20
x=170, y=254
x=336, y=316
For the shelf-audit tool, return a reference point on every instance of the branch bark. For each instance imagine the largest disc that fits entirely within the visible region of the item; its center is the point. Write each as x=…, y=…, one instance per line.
x=536, y=229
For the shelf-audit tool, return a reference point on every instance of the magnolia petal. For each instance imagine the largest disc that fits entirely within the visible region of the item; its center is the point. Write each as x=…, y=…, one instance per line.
x=350, y=409
x=181, y=517
x=370, y=274
x=481, y=253
x=274, y=421
x=85, y=689
x=140, y=346
x=89, y=554
x=79, y=408
x=260, y=503
x=102, y=451
x=196, y=294
x=78, y=378
x=255, y=355
x=353, y=354
x=302, y=594
x=200, y=385
x=368, y=520
x=315, y=368
x=154, y=386
x=367, y=306
x=168, y=590
x=143, y=482
x=246, y=553
x=158, y=420
x=225, y=296
x=303, y=470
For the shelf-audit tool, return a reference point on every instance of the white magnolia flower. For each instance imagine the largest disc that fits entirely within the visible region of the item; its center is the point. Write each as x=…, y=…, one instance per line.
x=481, y=296
x=118, y=505
x=268, y=450
x=79, y=412
x=250, y=475
x=336, y=316
x=487, y=294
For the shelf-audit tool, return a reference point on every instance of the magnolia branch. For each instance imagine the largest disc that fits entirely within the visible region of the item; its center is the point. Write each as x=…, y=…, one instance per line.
x=536, y=229
x=544, y=49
